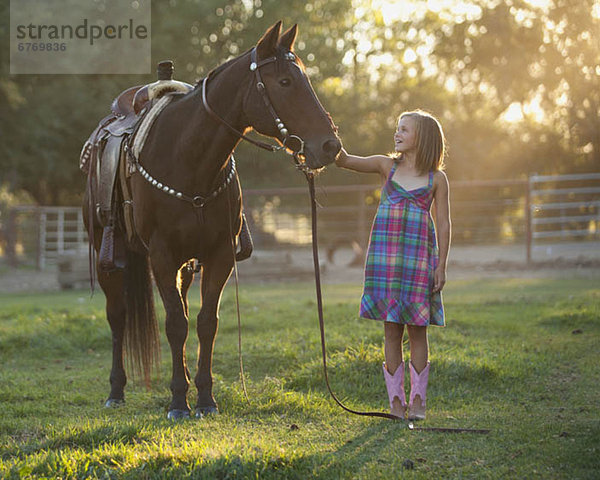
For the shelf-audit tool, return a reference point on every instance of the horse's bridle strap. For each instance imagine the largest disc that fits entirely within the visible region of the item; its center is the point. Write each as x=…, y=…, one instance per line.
x=212, y=113
x=260, y=85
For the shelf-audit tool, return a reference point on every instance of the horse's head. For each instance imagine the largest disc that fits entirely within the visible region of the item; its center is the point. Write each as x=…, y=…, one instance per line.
x=283, y=105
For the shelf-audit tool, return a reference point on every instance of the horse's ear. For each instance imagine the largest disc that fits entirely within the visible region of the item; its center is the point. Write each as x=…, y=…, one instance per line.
x=267, y=44
x=289, y=37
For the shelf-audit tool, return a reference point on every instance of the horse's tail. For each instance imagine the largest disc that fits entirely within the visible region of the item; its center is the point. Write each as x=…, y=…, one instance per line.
x=142, y=342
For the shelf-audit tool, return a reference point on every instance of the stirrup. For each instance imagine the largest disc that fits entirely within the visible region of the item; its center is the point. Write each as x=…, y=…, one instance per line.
x=112, y=251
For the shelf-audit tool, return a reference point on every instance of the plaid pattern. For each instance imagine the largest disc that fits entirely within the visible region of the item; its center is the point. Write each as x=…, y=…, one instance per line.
x=401, y=259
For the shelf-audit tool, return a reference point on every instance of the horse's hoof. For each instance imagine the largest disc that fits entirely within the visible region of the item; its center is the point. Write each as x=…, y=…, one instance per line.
x=178, y=414
x=206, y=411
x=114, y=403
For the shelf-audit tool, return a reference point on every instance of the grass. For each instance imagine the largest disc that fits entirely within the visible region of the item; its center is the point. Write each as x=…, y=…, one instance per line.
x=518, y=356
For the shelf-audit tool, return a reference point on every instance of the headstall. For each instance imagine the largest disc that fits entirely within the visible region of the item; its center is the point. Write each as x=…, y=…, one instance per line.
x=287, y=144
x=297, y=151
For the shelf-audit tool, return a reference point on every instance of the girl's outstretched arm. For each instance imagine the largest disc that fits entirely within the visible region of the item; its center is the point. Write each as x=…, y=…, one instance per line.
x=443, y=227
x=372, y=164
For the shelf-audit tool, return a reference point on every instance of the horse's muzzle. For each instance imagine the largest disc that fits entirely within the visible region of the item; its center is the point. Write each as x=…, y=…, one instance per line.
x=320, y=154
x=332, y=147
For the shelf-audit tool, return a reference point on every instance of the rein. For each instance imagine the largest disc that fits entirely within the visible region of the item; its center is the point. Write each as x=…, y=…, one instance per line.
x=315, y=249
x=298, y=155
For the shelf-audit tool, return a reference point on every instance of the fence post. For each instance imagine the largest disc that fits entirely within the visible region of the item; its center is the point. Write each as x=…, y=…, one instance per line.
x=80, y=228
x=11, y=238
x=528, y=219
x=60, y=232
x=41, y=253
x=362, y=219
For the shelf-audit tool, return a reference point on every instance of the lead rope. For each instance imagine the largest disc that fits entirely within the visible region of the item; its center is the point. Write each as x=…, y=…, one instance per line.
x=237, y=302
x=315, y=248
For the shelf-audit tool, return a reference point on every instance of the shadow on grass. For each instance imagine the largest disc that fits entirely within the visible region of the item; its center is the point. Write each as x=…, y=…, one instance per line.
x=197, y=461
x=62, y=336
x=362, y=380
x=568, y=321
x=87, y=440
x=272, y=463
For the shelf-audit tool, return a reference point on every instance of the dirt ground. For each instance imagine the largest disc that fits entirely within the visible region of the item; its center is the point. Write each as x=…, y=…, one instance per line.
x=566, y=260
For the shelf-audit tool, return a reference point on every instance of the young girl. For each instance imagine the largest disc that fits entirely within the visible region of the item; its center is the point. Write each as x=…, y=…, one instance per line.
x=404, y=273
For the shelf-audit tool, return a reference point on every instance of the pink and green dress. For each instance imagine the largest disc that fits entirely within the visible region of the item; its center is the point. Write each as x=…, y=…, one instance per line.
x=401, y=259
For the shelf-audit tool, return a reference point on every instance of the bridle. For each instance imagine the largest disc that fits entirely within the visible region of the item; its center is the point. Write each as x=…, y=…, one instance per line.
x=287, y=144
x=199, y=201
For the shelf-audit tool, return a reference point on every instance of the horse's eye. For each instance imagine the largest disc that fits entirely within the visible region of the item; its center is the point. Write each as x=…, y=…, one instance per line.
x=285, y=82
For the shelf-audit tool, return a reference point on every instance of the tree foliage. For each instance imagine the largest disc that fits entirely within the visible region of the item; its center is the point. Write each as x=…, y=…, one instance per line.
x=471, y=68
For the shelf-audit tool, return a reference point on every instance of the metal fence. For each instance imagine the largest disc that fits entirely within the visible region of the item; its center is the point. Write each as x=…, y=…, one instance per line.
x=482, y=212
x=40, y=235
x=525, y=212
x=563, y=208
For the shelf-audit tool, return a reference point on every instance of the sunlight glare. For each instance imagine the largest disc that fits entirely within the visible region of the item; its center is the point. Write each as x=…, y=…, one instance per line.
x=408, y=11
x=543, y=4
x=532, y=110
x=409, y=55
x=513, y=114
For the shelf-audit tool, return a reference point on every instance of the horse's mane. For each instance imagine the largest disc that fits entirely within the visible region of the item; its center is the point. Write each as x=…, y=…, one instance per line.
x=219, y=68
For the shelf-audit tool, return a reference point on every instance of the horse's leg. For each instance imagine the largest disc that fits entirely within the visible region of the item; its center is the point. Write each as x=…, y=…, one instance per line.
x=214, y=276
x=186, y=277
x=112, y=286
x=166, y=272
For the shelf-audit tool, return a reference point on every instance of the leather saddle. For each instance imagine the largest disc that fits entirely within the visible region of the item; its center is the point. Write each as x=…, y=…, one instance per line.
x=105, y=152
x=104, y=159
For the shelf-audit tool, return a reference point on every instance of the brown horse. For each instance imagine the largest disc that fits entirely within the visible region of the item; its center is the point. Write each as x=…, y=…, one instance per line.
x=188, y=150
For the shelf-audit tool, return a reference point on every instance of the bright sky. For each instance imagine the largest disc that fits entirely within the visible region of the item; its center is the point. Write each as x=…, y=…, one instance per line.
x=404, y=10
x=455, y=11
x=393, y=10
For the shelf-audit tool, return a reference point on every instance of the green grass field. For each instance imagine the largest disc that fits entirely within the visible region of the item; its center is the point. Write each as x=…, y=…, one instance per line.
x=518, y=356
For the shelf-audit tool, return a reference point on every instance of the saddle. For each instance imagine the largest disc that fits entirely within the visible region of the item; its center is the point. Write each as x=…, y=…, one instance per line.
x=105, y=152
x=105, y=157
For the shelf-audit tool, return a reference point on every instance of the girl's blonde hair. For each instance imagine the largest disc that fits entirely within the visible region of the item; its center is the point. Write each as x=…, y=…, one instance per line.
x=431, y=144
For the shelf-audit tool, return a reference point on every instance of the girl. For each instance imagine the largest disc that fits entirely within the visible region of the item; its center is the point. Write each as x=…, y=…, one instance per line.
x=404, y=273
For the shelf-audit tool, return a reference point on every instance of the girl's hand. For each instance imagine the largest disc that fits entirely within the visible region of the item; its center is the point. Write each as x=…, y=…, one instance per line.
x=340, y=160
x=439, y=279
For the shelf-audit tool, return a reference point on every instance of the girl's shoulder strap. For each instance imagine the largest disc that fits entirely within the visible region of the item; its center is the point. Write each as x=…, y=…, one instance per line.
x=392, y=170
x=431, y=175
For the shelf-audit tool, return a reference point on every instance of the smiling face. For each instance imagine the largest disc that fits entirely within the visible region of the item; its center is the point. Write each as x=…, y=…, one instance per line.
x=405, y=138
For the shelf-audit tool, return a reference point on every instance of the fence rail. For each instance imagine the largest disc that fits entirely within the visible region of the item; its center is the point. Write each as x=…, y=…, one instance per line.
x=563, y=207
x=528, y=212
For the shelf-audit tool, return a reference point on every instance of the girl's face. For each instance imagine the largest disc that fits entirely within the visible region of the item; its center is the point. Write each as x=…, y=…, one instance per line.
x=405, y=138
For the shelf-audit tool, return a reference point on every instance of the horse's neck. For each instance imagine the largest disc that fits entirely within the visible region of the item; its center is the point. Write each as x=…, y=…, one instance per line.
x=204, y=143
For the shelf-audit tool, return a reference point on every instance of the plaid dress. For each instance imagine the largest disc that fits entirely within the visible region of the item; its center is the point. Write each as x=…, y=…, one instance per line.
x=401, y=259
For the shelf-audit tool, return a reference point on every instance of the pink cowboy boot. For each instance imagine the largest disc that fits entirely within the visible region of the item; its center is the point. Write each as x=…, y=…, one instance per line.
x=395, y=389
x=418, y=386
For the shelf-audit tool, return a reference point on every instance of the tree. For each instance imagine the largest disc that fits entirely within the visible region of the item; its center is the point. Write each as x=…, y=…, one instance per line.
x=515, y=54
